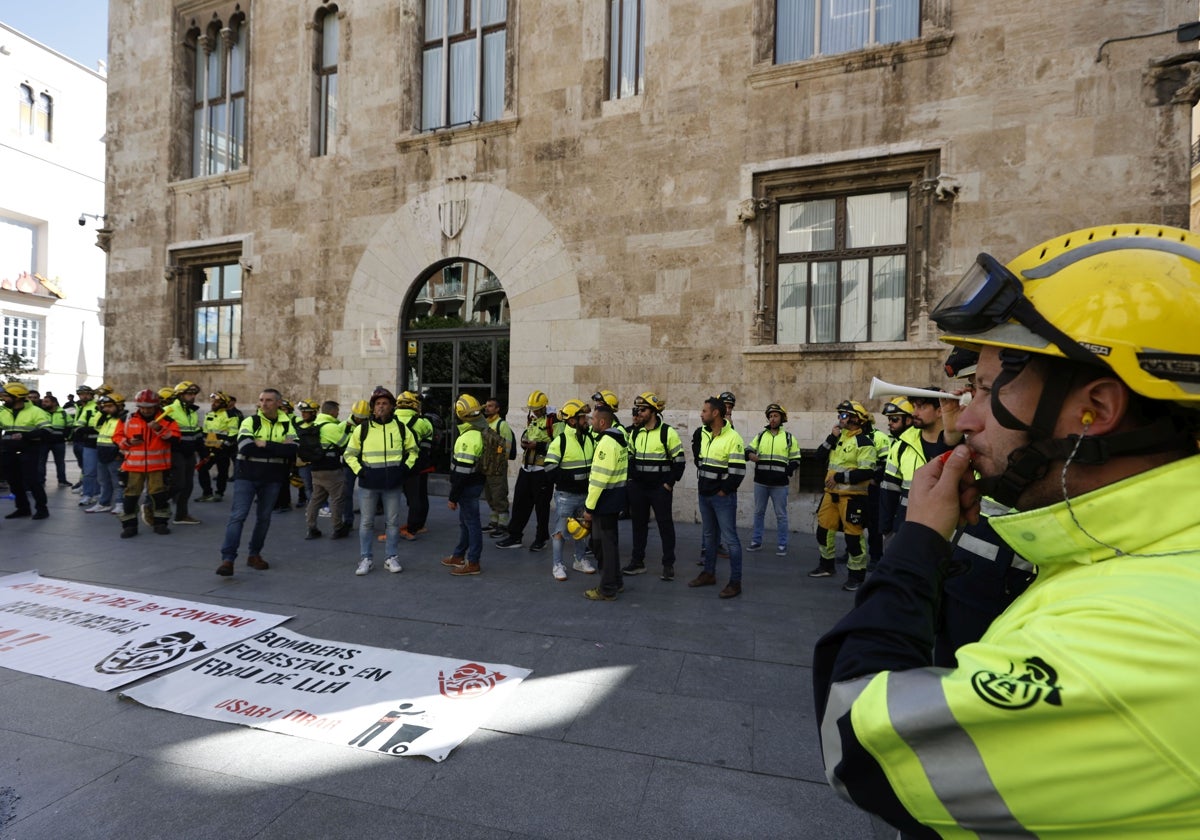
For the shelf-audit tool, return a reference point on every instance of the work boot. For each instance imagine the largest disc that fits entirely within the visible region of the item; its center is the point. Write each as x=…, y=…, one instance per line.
x=129, y=529
x=854, y=579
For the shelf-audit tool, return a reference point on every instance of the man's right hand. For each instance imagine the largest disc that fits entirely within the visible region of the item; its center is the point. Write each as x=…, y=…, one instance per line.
x=943, y=494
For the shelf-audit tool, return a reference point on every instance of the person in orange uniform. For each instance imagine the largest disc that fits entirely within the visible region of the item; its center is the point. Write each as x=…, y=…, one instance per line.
x=144, y=438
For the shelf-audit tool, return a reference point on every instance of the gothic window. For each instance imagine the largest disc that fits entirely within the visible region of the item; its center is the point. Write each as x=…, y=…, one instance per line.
x=25, y=109
x=219, y=95
x=325, y=80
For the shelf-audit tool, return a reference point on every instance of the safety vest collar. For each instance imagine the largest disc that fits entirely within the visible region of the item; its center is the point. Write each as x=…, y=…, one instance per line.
x=1158, y=503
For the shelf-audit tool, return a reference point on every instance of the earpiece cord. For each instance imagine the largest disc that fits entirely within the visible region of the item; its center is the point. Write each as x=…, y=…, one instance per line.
x=1071, y=510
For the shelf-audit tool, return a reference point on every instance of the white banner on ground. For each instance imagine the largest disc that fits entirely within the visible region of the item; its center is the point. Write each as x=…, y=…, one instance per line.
x=104, y=638
x=372, y=698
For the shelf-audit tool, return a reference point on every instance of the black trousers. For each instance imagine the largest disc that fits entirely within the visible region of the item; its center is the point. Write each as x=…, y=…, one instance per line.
x=183, y=472
x=221, y=462
x=20, y=468
x=608, y=551
x=416, y=495
x=532, y=494
x=644, y=498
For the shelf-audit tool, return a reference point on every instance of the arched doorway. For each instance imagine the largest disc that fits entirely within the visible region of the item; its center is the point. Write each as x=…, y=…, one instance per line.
x=454, y=333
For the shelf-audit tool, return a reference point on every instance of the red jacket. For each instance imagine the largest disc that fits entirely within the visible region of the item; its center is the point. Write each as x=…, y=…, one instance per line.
x=145, y=450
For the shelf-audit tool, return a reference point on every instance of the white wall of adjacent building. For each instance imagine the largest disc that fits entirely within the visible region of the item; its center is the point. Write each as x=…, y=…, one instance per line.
x=48, y=182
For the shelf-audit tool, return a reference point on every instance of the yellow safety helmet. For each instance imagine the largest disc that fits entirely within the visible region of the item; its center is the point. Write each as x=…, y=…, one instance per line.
x=111, y=397
x=219, y=396
x=16, y=389
x=856, y=408
x=409, y=399
x=577, y=528
x=308, y=405
x=608, y=397
x=102, y=389
x=286, y=406
x=360, y=410
x=185, y=386
x=572, y=408
x=649, y=399
x=776, y=407
x=165, y=394
x=467, y=407
x=537, y=401
x=1124, y=296
x=898, y=405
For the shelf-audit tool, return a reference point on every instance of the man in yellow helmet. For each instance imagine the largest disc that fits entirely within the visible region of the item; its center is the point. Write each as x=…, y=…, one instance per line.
x=533, y=490
x=1085, y=420
x=184, y=449
x=23, y=426
x=852, y=462
x=466, y=486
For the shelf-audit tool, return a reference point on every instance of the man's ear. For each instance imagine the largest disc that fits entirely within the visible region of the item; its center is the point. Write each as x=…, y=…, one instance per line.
x=1098, y=408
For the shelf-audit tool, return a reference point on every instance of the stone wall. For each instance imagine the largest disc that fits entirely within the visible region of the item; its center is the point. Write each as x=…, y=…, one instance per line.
x=618, y=228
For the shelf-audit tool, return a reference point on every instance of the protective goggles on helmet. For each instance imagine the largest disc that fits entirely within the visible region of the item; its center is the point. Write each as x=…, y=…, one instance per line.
x=990, y=295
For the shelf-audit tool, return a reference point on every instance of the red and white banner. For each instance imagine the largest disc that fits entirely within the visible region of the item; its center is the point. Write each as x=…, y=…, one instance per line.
x=371, y=698
x=104, y=638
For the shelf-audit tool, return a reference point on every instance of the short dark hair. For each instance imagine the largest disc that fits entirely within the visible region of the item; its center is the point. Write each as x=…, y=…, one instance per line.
x=717, y=405
x=605, y=408
x=330, y=407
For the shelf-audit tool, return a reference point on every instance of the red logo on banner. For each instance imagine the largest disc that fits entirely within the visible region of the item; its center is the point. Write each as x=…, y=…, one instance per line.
x=470, y=680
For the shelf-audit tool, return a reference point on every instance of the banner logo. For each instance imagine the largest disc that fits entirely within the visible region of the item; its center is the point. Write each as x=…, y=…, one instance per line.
x=469, y=680
x=153, y=653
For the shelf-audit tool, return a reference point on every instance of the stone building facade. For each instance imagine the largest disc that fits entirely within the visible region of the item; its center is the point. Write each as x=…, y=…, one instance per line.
x=766, y=196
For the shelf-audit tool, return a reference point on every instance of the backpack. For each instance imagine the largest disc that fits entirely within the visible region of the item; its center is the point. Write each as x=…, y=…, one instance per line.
x=309, y=437
x=494, y=460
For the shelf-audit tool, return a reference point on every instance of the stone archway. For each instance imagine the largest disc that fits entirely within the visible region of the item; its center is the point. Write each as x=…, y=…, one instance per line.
x=501, y=230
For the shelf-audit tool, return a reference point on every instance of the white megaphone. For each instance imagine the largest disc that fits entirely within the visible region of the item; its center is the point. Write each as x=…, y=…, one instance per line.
x=879, y=388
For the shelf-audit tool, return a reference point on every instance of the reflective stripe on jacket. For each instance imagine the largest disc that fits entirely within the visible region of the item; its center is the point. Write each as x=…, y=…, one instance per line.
x=381, y=456
x=273, y=461
x=608, y=473
x=722, y=462
x=1072, y=718
x=778, y=457
x=652, y=462
x=152, y=450
x=465, y=460
x=569, y=460
x=853, y=451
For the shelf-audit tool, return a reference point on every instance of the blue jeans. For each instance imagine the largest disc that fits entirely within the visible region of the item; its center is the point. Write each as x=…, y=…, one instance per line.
x=91, y=486
x=470, y=532
x=718, y=515
x=244, y=493
x=565, y=505
x=779, y=498
x=367, y=501
x=110, y=479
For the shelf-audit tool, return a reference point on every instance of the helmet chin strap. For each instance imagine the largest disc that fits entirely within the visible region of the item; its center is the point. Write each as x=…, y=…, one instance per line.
x=1032, y=462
